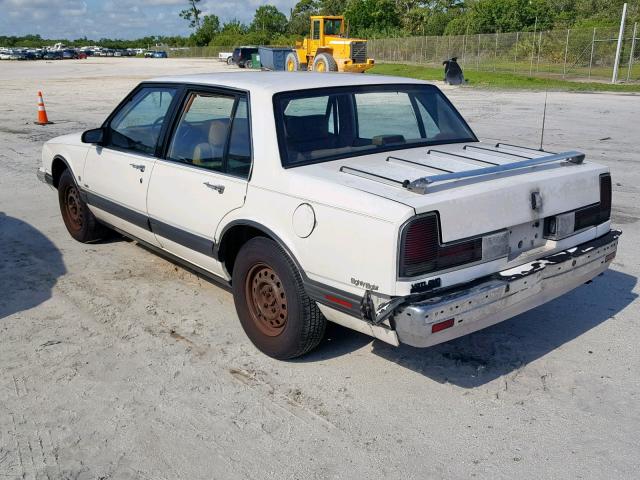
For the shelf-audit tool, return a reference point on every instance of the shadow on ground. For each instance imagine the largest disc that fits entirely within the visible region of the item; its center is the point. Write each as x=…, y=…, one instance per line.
x=30, y=265
x=483, y=356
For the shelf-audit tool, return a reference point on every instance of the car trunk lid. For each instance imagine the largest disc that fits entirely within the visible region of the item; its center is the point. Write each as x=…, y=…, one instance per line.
x=476, y=205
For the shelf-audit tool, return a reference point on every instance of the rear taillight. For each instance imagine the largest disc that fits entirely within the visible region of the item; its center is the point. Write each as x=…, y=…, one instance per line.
x=598, y=213
x=422, y=253
x=566, y=224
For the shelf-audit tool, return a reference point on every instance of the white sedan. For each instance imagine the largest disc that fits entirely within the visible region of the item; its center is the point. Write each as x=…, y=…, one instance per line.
x=363, y=200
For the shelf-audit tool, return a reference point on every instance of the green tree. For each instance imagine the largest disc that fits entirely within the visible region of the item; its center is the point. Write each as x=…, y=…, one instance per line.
x=489, y=16
x=209, y=28
x=268, y=18
x=372, y=15
x=332, y=7
x=192, y=14
x=299, y=21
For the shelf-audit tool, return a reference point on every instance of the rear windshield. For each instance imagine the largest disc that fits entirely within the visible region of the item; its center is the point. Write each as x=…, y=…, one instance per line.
x=326, y=124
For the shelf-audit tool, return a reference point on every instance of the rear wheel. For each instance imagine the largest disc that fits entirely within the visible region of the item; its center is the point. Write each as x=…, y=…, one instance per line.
x=81, y=224
x=273, y=307
x=292, y=62
x=324, y=62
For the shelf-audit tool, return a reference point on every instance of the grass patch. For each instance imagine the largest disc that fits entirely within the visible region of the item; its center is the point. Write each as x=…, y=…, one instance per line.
x=501, y=80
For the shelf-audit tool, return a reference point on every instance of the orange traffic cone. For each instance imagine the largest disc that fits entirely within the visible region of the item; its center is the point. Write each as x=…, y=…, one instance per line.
x=42, y=113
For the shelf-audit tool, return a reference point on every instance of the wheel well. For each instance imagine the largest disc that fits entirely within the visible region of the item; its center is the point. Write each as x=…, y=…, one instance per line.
x=57, y=168
x=232, y=242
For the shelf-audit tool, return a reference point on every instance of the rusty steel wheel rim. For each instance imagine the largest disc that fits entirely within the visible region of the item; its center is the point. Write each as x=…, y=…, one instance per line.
x=266, y=300
x=72, y=208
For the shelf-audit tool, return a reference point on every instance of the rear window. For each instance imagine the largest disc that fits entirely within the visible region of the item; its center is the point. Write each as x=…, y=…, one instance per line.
x=326, y=124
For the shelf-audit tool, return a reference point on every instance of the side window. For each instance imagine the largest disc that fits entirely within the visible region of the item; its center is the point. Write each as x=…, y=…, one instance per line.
x=201, y=135
x=316, y=30
x=137, y=125
x=239, y=156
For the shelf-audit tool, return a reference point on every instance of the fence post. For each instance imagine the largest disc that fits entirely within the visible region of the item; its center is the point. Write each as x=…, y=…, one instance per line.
x=495, y=53
x=539, y=48
x=614, y=77
x=464, y=49
x=478, y=56
x=515, y=58
x=633, y=48
x=566, y=51
x=593, y=44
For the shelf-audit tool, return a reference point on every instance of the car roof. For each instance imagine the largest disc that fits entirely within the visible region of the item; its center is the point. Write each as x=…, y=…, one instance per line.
x=274, y=82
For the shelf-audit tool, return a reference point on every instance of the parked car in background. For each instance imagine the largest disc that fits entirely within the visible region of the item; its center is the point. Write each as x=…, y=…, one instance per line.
x=53, y=55
x=18, y=55
x=160, y=54
x=242, y=55
x=364, y=200
x=226, y=57
x=69, y=54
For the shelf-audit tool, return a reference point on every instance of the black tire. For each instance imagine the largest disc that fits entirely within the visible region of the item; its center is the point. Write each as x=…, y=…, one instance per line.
x=81, y=224
x=327, y=60
x=292, y=63
x=241, y=64
x=265, y=276
x=229, y=60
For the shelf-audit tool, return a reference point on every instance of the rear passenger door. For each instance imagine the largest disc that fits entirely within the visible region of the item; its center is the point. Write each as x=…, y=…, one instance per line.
x=203, y=175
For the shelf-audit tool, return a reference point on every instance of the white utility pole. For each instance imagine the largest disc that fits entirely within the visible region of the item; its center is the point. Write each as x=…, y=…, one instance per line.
x=616, y=64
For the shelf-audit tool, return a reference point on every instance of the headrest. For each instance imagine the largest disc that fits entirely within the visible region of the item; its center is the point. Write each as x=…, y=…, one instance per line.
x=218, y=132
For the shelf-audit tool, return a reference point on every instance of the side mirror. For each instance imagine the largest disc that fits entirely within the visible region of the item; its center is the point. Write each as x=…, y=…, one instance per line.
x=95, y=136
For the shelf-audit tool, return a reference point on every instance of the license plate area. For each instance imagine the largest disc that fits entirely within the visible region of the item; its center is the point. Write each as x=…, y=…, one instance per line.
x=525, y=237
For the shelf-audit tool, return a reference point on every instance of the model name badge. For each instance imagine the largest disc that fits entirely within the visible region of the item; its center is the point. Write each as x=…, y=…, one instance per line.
x=365, y=285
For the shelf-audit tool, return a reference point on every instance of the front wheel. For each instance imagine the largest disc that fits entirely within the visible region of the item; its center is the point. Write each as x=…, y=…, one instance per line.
x=292, y=62
x=80, y=222
x=273, y=307
x=229, y=60
x=324, y=62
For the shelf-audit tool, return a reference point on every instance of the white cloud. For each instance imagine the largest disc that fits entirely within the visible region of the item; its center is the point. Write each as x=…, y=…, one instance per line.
x=116, y=18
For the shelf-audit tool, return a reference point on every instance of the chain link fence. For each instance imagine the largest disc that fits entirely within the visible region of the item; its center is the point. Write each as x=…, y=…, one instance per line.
x=573, y=53
x=579, y=54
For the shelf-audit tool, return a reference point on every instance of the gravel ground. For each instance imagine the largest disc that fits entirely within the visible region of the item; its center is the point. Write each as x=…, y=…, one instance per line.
x=115, y=363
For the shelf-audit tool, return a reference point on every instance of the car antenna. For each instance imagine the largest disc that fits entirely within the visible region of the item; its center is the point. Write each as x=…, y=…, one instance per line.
x=544, y=117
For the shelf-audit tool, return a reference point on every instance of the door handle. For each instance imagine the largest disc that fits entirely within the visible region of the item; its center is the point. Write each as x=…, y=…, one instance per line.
x=217, y=188
x=137, y=167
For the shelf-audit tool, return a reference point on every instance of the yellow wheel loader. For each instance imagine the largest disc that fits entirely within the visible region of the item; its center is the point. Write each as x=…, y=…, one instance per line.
x=328, y=49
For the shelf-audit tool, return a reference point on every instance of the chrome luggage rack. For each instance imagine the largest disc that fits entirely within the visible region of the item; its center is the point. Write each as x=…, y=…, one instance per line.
x=420, y=185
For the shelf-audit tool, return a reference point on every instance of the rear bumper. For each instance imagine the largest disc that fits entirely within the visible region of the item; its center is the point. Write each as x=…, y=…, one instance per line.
x=503, y=295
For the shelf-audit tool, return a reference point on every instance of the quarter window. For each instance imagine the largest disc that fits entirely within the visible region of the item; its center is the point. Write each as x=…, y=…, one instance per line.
x=138, y=124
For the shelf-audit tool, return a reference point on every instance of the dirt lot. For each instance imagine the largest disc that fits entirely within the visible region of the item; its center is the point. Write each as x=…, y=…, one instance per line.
x=115, y=363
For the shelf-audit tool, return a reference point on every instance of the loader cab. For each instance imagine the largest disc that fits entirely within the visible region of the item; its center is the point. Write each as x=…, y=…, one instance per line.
x=324, y=26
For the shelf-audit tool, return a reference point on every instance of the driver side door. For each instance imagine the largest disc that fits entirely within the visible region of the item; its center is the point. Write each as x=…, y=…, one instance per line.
x=116, y=174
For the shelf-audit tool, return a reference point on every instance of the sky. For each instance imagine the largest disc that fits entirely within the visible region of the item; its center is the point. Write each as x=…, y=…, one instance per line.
x=116, y=18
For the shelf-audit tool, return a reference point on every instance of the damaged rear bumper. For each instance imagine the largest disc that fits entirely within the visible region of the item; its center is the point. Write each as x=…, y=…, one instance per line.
x=429, y=319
